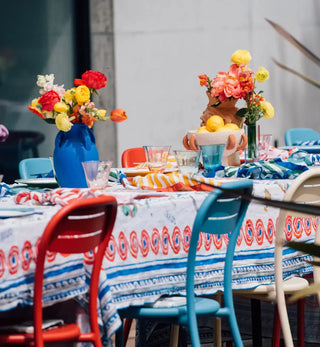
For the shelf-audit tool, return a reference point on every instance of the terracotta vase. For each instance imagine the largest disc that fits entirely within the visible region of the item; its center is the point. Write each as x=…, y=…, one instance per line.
x=227, y=110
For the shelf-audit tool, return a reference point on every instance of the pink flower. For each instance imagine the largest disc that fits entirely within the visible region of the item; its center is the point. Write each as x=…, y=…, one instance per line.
x=4, y=133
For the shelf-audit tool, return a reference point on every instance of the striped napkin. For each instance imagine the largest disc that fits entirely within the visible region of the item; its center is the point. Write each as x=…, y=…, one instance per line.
x=307, y=143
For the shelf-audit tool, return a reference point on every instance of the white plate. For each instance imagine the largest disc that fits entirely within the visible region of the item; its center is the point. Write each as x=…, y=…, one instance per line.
x=17, y=212
x=39, y=182
x=309, y=149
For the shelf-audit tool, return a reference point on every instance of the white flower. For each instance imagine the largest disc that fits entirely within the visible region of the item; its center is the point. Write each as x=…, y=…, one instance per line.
x=42, y=80
x=59, y=89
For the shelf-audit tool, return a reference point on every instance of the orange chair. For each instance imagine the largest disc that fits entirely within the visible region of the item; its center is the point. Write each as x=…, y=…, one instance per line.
x=78, y=227
x=133, y=156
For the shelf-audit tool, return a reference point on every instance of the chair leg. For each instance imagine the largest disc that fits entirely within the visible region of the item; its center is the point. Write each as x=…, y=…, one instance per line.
x=126, y=330
x=300, y=322
x=256, y=323
x=217, y=324
x=276, y=328
x=174, y=335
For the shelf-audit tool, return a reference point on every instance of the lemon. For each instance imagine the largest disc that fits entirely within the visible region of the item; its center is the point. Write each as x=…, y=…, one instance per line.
x=202, y=130
x=214, y=123
x=232, y=126
x=224, y=128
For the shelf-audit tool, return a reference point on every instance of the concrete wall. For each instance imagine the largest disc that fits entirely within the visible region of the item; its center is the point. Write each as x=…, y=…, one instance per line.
x=161, y=47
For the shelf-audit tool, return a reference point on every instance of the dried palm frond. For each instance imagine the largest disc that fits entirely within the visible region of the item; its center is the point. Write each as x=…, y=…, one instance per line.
x=295, y=42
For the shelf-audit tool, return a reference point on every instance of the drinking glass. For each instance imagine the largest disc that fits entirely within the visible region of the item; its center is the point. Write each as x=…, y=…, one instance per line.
x=97, y=173
x=212, y=156
x=157, y=157
x=187, y=161
x=264, y=144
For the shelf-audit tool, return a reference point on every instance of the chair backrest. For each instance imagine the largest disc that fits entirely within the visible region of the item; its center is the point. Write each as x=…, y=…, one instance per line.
x=133, y=156
x=33, y=167
x=305, y=189
x=81, y=226
x=295, y=135
x=220, y=213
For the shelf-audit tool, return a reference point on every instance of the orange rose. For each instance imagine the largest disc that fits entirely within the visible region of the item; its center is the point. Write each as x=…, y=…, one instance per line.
x=118, y=115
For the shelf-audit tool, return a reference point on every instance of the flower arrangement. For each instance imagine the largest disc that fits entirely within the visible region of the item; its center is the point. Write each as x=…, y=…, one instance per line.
x=66, y=107
x=240, y=83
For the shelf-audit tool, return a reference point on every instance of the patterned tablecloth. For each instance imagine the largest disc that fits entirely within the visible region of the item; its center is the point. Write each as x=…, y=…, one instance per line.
x=147, y=254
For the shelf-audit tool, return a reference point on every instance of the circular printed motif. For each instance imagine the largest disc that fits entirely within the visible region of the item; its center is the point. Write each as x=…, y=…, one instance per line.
x=270, y=231
x=165, y=241
x=176, y=240
x=260, y=231
x=155, y=241
x=240, y=237
x=207, y=241
x=51, y=256
x=123, y=246
x=2, y=263
x=217, y=241
x=288, y=228
x=199, y=244
x=186, y=237
x=307, y=226
x=134, y=244
x=297, y=227
x=13, y=260
x=26, y=255
x=89, y=258
x=111, y=249
x=249, y=233
x=145, y=243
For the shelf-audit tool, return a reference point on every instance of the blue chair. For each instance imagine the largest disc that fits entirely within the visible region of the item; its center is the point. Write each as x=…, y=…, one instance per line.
x=293, y=136
x=220, y=213
x=35, y=167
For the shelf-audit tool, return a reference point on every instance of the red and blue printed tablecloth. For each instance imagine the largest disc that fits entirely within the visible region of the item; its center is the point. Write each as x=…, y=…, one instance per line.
x=147, y=254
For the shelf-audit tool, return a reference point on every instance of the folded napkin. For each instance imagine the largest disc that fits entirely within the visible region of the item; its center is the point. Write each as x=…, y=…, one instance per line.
x=63, y=196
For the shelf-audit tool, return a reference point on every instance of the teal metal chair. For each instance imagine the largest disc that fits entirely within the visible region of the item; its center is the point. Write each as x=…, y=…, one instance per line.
x=35, y=167
x=294, y=136
x=220, y=213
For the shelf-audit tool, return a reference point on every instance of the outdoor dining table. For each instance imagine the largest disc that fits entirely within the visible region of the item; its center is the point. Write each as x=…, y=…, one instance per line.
x=147, y=253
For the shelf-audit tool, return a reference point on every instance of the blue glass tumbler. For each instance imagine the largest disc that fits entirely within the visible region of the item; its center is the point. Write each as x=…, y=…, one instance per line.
x=212, y=156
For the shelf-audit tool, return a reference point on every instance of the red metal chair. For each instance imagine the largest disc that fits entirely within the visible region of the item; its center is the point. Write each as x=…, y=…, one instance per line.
x=78, y=227
x=133, y=156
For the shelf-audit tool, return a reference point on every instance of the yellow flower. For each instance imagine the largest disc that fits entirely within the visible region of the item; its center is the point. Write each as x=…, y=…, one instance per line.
x=82, y=94
x=267, y=109
x=68, y=95
x=241, y=56
x=102, y=113
x=62, y=122
x=262, y=74
x=34, y=102
x=60, y=107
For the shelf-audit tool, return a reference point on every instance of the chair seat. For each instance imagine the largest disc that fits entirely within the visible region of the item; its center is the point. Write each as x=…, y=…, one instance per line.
x=65, y=332
x=203, y=306
x=268, y=292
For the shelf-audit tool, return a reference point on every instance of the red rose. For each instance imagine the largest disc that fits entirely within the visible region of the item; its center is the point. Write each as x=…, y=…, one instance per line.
x=118, y=115
x=48, y=100
x=92, y=79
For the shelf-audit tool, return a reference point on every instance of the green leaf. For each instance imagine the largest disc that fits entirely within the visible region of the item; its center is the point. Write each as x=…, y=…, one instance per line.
x=242, y=112
x=308, y=248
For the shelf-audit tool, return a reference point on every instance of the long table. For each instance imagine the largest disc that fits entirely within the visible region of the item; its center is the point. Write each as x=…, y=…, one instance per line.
x=147, y=253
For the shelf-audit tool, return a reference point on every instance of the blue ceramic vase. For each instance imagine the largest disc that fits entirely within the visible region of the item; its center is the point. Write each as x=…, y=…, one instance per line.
x=72, y=148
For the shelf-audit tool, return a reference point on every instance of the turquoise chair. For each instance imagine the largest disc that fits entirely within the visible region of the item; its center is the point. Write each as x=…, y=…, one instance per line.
x=219, y=214
x=293, y=136
x=35, y=167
